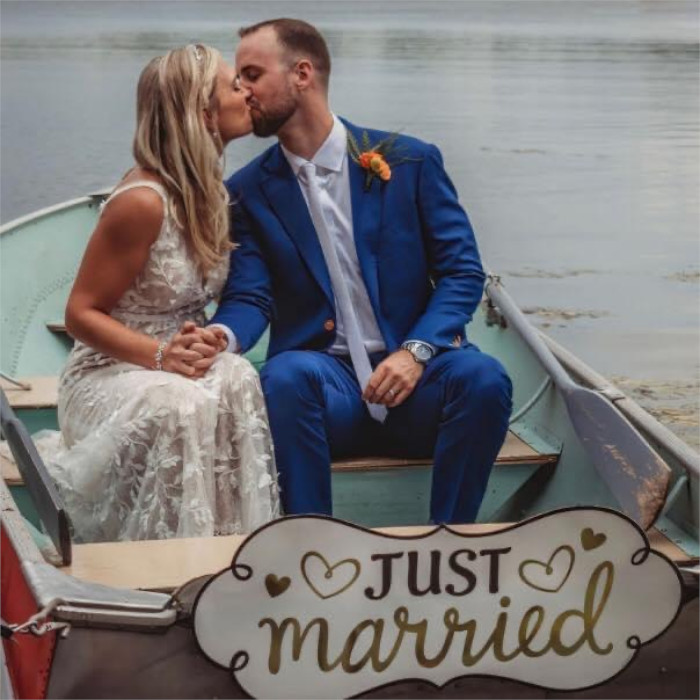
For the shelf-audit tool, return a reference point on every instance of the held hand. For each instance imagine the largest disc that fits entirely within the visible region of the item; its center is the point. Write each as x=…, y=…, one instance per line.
x=214, y=338
x=394, y=379
x=179, y=357
x=207, y=342
x=220, y=337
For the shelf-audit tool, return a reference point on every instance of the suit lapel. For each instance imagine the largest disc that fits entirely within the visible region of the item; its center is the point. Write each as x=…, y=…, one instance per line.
x=366, y=218
x=286, y=200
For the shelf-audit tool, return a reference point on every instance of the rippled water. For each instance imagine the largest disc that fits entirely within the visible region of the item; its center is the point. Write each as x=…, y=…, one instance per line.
x=570, y=130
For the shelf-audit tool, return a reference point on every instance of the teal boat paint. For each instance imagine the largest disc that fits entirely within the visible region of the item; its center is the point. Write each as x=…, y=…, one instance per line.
x=40, y=253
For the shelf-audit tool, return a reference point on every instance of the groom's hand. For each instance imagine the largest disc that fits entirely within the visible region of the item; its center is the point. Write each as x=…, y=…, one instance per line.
x=213, y=338
x=393, y=380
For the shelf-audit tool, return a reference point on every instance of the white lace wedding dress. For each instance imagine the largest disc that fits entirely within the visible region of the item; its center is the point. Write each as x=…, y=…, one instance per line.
x=144, y=454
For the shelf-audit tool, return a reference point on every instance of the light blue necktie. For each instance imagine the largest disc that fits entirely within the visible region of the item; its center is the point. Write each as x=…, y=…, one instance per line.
x=358, y=352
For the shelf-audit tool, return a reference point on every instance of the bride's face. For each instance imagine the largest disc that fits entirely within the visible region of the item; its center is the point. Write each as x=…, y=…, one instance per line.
x=232, y=116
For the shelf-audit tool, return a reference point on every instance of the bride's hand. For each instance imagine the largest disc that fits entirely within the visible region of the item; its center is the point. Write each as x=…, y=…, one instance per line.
x=207, y=342
x=180, y=357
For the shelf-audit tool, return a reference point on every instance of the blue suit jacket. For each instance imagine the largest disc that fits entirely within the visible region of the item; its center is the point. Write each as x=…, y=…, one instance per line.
x=416, y=249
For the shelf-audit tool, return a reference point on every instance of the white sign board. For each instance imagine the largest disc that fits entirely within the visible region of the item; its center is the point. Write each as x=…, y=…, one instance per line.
x=314, y=607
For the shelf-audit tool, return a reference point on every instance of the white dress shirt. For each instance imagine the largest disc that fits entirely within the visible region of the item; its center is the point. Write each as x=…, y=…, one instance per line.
x=332, y=175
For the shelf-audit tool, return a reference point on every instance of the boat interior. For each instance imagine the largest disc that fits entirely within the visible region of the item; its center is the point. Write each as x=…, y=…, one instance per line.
x=543, y=465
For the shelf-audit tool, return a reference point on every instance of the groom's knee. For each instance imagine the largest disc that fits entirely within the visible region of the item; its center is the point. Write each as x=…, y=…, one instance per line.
x=290, y=375
x=477, y=379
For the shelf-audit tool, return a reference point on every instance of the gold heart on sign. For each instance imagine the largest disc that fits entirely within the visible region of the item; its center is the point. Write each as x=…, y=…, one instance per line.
x=276, y=586
x=590, y=540
x=339, y=580
x=552, y=575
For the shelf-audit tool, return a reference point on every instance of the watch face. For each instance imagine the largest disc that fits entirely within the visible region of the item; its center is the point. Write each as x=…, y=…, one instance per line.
x=420, y=351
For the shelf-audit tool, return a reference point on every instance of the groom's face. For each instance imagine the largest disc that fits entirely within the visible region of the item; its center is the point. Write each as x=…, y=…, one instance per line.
x=266, y=73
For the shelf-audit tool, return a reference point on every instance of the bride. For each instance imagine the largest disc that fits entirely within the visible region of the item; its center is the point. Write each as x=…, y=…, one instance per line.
x=162, y=433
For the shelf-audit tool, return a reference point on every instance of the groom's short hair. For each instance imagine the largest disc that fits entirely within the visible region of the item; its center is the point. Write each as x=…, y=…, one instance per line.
x=297, y=36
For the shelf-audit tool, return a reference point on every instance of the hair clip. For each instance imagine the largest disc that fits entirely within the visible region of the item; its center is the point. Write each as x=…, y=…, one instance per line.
x=197, y=53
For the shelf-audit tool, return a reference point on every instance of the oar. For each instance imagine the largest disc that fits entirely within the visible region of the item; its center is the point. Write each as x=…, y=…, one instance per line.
x=634, y=473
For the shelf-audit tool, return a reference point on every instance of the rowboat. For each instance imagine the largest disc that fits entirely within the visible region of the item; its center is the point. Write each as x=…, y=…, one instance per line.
x=575, y=441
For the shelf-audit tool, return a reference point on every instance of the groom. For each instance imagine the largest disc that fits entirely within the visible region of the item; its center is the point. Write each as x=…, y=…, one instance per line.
x=356, y=252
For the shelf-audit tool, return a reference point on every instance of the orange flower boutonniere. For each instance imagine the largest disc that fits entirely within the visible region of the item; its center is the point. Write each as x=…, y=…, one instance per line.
x=375, y=159
x=374, y=162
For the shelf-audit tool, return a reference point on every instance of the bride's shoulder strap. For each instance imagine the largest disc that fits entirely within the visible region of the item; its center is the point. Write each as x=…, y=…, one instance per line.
x=156, y=186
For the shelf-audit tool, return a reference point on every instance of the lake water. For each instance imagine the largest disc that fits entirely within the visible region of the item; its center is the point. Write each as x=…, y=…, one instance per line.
x=569, y=128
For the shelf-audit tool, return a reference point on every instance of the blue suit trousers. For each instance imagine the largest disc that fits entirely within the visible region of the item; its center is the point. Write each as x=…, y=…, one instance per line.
x=457, y=414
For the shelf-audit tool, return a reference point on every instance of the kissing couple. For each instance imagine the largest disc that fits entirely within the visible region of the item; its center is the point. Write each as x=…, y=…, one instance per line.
x=348, y=243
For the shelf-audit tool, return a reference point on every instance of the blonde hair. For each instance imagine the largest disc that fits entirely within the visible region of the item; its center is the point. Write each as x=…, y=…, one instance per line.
x=172, y=140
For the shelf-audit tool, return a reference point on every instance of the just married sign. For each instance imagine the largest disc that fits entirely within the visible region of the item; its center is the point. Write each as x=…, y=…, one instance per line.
x=315, y=607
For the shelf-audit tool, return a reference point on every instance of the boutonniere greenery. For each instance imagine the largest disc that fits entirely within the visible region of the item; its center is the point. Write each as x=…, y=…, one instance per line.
x=376, y=160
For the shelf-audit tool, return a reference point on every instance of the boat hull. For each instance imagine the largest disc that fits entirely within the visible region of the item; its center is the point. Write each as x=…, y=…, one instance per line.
x=110, y=664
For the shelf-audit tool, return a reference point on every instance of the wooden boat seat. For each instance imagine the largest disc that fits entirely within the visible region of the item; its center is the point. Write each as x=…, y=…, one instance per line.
x=164, y=565
x=58, y=327
x=514, y=451
x=44, y=394
x=10, y=472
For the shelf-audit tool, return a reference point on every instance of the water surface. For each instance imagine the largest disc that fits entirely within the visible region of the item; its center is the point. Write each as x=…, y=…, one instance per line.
x=570, y=130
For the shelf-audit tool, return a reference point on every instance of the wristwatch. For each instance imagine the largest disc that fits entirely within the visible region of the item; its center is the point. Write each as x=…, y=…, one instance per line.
x=422, y=352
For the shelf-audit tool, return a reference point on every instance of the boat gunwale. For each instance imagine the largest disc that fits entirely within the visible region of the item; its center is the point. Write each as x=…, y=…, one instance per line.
x=21, y=221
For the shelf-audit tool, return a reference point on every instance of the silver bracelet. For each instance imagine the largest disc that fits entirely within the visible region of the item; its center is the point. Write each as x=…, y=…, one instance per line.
x=159, y=356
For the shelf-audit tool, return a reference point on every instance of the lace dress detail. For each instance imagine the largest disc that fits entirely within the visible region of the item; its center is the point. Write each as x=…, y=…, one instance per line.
x=144, y=454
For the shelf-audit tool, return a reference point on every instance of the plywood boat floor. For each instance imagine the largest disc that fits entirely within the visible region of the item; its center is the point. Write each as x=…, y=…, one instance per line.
x=164, y=565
